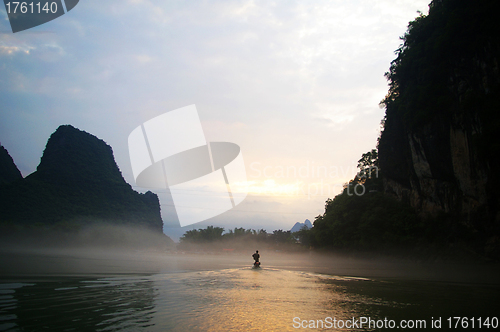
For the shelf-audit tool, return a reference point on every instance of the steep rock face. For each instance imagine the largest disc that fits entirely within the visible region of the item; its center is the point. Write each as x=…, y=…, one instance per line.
x=74, y=156
x=441, y=171
x=78, y=180
x=439, y=148
x=8, y=170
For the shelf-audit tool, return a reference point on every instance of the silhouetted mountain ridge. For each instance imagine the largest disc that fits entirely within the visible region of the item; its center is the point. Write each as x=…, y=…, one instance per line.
x=77, y=182
x=8, y=170
x=76, y=157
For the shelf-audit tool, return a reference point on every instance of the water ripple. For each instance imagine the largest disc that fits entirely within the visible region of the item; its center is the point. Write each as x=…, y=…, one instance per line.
x=224, y=300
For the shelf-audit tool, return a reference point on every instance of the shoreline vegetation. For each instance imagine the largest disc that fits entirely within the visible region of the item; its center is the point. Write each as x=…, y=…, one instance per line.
x=213, y=240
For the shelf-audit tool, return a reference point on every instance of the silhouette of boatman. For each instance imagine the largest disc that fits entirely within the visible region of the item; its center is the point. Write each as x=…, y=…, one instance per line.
x=256, y=257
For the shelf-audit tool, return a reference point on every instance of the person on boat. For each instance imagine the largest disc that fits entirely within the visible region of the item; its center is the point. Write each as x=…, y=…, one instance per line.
x=256, y=257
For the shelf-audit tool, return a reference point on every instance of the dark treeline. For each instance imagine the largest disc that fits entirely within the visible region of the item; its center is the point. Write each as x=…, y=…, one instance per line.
x=238, y=239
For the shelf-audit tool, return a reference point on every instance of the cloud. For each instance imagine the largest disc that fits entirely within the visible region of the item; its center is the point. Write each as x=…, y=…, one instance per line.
x=12, y=48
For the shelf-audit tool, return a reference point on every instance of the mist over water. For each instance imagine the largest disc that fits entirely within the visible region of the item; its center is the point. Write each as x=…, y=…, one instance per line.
x=140, y=289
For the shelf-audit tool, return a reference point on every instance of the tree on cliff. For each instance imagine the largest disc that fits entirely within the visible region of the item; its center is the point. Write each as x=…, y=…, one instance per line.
x=368, y=165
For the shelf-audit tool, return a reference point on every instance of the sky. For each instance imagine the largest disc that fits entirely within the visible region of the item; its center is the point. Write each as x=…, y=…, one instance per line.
x=296, y=84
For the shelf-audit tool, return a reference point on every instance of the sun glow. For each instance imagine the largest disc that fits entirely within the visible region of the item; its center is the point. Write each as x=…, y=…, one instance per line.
x=267, y=187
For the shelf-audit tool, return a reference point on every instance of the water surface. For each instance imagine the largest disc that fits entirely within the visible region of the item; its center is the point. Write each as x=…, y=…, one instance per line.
x=232, y=299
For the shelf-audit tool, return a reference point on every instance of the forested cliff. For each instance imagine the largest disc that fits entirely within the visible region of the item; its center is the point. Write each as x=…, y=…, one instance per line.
x=439, y=149
x=436, y=186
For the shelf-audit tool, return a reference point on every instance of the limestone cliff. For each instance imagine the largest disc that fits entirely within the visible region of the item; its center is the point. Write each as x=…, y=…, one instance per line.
x=439, y=149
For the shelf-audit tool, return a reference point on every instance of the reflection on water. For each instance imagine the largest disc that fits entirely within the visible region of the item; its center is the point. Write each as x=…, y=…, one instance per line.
x=225, y=300
x=74, y=305
x=244, y=299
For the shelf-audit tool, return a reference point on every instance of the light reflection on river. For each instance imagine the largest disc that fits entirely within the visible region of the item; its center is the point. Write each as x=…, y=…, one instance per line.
x=225, y=300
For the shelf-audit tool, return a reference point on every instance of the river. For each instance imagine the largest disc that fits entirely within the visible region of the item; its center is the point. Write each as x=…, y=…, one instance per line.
x=223, y=293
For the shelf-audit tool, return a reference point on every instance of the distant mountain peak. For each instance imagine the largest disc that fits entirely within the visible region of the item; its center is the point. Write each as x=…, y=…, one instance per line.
x=299, y=225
